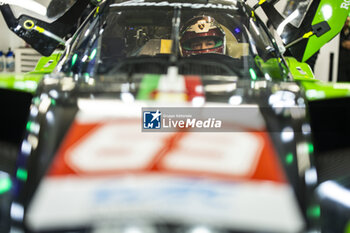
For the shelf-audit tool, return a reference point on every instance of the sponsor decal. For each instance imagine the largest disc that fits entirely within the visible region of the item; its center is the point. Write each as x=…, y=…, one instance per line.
x=176, y=4
x=341, y=86
x=345, y=4
x=48, y=63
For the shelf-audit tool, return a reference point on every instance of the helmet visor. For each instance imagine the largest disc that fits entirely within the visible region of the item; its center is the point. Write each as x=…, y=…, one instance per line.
x=202, y=43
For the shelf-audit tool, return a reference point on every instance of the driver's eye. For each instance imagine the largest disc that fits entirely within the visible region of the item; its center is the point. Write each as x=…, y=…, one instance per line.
x=197, y=45
x=210, y=44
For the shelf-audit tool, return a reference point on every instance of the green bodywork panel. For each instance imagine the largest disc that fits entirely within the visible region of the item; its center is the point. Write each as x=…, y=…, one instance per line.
x=315, y=89
x=323, y=90
x=300, y=70
x=272, y=67
x=28, y=82
x=335, y=13
x=47, y=64
x=25, y=82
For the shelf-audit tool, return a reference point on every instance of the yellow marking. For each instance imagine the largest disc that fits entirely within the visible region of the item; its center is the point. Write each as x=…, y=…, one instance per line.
x=28, y=24
x=261, y=2
x=39, y=29
x=97, y=10
x=253, y=16
x=308, y=34
x=165, y=46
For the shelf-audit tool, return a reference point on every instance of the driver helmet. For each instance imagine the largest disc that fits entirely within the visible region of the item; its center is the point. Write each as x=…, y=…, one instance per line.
x=202, y=35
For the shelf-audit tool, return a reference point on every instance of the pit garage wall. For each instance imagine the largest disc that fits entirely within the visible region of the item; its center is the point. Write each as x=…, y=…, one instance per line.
x=322, y=66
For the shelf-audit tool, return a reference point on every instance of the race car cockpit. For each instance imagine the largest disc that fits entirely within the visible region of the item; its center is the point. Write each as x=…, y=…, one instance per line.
x=142, y=39
x=148, y=36
x=119, y=30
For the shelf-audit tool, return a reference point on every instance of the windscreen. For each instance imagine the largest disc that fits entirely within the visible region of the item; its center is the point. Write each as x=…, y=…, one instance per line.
x=149, y=39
